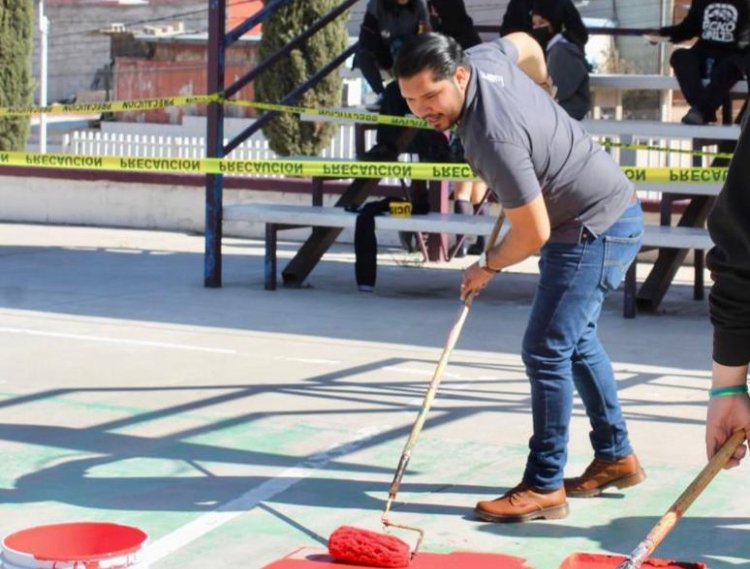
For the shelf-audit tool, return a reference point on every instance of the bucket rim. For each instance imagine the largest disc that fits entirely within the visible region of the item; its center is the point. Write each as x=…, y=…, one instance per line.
x=140, y=538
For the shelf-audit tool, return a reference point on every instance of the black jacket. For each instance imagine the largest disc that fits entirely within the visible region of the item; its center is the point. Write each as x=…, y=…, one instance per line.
x=729, y=262
x=387, y=25
x=517, y=18
x=719, y=25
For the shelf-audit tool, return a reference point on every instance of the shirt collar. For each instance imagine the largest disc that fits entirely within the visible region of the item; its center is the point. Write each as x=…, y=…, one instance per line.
x=557, y=38
x=471, y=93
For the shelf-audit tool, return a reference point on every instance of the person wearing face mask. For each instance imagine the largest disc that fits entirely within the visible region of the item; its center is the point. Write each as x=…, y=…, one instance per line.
x=566, y=61
x=517, y=18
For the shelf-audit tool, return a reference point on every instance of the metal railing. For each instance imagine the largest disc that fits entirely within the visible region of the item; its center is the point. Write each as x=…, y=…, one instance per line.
x=216, y=146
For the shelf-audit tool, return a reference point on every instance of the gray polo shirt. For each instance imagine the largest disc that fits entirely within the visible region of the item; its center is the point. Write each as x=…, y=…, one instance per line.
x=520, y=142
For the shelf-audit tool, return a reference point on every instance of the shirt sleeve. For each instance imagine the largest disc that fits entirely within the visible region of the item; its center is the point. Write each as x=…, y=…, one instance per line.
x=506, y=168
x=688, y=28
x=508, y=48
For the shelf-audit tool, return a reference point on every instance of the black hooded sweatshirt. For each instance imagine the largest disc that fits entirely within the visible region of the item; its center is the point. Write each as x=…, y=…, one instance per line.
x=722, y=25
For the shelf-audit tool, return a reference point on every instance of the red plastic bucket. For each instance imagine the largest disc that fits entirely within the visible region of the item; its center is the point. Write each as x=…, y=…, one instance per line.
x=79, y=545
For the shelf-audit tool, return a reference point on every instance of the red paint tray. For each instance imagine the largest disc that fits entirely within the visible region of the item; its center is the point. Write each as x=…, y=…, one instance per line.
x=307, y=558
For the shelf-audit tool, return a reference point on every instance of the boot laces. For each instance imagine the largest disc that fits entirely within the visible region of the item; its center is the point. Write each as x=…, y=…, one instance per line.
x=517, y=494
x=598, y=465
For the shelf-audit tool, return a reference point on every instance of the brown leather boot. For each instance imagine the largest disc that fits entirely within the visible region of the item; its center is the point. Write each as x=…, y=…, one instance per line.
x=602, y=474
x=522, y=504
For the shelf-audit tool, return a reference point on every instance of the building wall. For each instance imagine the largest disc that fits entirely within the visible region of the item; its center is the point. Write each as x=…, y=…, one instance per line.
x=179, y=69
x=76, y=49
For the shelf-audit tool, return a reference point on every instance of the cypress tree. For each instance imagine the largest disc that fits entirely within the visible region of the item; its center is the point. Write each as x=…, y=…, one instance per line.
x=16, y=86
x=287, y=134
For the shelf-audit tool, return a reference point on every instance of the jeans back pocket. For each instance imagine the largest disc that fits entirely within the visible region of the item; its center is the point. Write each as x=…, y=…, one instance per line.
x=619, y=253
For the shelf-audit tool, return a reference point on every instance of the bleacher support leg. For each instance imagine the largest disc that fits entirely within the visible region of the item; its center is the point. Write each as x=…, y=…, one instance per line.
x=628, y=304
x=698, y=285
x=270, y=258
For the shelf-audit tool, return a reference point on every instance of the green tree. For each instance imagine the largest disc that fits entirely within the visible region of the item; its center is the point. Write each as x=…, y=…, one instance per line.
x=16, y=85
x=287, y=134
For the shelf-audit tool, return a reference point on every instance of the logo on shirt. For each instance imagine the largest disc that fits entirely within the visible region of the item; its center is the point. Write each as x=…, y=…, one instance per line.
x=492, y=78
x=719, y=23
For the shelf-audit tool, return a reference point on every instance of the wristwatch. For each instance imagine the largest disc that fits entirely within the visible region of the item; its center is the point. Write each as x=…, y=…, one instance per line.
x=483, y=264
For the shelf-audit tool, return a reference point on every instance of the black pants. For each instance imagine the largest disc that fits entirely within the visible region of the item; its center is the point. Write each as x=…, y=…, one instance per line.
x=722, y=70
x=368, y=64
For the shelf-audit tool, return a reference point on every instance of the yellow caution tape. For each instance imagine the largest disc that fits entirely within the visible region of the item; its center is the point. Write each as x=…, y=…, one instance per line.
x=291, y=168
x=611, y=144
x=111, y=106
x=316, y=168
x=677, y=175
x=164, y=102
x=354, y=116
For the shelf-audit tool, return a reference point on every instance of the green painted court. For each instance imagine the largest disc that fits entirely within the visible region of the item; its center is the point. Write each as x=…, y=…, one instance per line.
x=235, y=425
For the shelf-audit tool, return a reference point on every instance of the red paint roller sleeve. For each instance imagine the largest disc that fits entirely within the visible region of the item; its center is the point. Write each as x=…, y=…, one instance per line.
x=363, y=547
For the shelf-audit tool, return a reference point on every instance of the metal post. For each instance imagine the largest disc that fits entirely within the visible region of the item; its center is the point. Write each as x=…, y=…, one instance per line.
x=44, y=30
x=215, y=142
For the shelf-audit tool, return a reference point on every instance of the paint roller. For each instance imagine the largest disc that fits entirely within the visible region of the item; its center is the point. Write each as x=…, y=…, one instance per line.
x=362, y=547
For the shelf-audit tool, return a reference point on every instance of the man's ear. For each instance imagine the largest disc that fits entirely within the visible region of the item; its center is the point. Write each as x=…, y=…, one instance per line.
x=461, y=77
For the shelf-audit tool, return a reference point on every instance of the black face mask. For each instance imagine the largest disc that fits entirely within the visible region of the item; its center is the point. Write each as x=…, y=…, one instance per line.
x=542, y=35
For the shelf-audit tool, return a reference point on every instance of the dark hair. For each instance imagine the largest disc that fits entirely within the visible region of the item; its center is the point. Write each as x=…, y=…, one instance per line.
x=436, y=52
x=550, y=10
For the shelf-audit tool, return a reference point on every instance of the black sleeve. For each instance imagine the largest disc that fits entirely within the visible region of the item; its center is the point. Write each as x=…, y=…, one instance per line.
x=517, y=17
x=729, y=262
x=370, y=40
x=688, y=28
x=573, y=27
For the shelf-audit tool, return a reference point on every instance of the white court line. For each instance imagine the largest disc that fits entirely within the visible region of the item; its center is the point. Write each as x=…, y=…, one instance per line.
x=250, y=499
x=307, y=360
x=100, y=339
x=422, y=372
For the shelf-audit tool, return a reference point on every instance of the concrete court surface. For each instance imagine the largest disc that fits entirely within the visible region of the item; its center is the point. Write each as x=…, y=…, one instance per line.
x=235, y=424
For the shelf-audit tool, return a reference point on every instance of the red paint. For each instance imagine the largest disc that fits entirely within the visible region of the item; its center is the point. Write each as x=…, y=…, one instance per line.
x=602, y=561
x=308, y=559
x=82, y=541
x=363, y=547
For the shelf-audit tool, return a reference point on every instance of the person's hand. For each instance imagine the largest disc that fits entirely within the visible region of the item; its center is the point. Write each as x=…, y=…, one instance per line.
x=549, y=86
x=474, y=280
x=725, y=416
x=654, y=39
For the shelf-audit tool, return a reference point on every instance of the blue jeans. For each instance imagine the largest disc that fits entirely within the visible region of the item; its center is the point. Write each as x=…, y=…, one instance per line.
x=561, y=347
